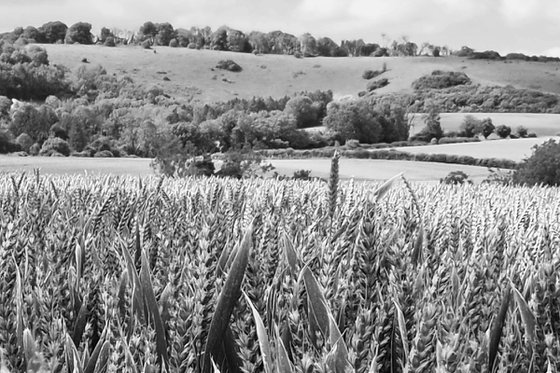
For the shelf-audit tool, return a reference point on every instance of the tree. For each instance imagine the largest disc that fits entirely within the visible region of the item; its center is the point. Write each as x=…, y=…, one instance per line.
x=148, y=31
x=219, y=39
x=456, y=178
x=164, y=33
x=79, y=33
x=521, y=131
x=432, y=121
x=237, y=41
x=33, y=34
x=327, y=47
x=105, y=34
x=542, y=167
x=503, y=131
x=36, y=123
x=308, y=45
x=353, y=120
x=54, y=32
x=486, y=127
x=470, y=126
x=303, y=111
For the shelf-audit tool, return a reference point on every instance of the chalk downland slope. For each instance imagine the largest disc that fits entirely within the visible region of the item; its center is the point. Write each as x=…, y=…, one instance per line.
x=192, y=73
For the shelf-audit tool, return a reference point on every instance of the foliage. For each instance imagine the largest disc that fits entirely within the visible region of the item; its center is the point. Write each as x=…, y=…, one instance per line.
x=486, y=127
x=376, y=84
x=79, y=33
x=370, y=74
x=433, y=129
x=54, y=32
x=542, y=167
x=440, y=80
x=521, y=131
x=456, y=178
x=470, y=126
x=55, y=145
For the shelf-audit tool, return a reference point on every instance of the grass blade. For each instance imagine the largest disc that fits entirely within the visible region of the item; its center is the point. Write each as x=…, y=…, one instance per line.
x=226, y=301
x=264, y=344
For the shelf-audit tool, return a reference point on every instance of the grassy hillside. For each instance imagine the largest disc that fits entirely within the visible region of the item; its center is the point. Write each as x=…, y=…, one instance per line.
x=191, y=73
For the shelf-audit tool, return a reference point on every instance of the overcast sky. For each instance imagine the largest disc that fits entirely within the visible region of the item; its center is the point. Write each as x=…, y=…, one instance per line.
x=528, y=26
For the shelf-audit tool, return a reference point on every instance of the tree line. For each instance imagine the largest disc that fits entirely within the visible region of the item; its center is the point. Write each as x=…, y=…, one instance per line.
x=223, y=38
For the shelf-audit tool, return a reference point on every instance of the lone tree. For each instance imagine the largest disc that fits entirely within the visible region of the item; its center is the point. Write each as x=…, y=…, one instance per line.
x=542, y=167
x=503, y=131
x=79, y=33
x=486, y=127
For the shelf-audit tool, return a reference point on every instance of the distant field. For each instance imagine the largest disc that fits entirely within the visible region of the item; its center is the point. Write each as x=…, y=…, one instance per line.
x=191, y=72
x=361, y=169
x=541, y=124
x=515, y=150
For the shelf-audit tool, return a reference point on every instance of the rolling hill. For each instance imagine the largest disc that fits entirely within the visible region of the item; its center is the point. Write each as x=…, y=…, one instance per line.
x=192, y=73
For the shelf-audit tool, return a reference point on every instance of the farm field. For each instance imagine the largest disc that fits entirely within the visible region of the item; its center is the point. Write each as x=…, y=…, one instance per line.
x=540, y=124
x=192, y=73
x=360, y=169
x=513, y=149
x=134, y=274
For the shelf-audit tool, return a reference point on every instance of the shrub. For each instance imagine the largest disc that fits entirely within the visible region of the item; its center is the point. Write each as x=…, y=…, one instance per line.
x=376, y=84
x=24, y=141
x=146, y=44
x=302, y=175
x=486, y=127
x=457, y=140
x=229, y=65
x=441, y=79
x=456, y=178
x=103, y=154
x=503, y=131
x=542, y=167
x=55, y=145
x=521, y=131
x=370, y=74
x=109, y=42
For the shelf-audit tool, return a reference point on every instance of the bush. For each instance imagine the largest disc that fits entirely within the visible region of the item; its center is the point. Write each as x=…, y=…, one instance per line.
x=503, y=131
x=542, y=167
x=441, y=79
x=24, y=141
x=109, y=42
x=457, y=140
x=370, y=74
x=229, y=65
x=103, y=154
x=456, y=178
x=146, y=44
x=55, y=145
x=376, y=84
x=521, y=131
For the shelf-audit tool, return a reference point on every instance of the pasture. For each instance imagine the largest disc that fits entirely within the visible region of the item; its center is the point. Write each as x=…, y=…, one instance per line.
x=192, y=74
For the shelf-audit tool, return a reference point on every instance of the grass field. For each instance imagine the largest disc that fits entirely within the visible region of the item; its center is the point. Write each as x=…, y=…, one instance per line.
x=540, y=124
x=361, y=169
x=515, y=150
x=191, y=72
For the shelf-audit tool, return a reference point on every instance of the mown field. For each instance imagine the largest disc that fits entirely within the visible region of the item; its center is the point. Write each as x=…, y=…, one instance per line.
x=359, y=169
x=513, y=149
x=192, y=73
x=540, y=124
x=126, y=274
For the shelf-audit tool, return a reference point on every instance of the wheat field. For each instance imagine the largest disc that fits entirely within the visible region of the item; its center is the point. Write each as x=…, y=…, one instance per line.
x=124, y=274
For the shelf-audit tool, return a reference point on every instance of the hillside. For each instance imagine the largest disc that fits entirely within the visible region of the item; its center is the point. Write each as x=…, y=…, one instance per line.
x=191, y=72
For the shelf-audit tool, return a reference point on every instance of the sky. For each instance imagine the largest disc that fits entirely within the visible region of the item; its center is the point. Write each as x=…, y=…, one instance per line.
x=527, y=26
